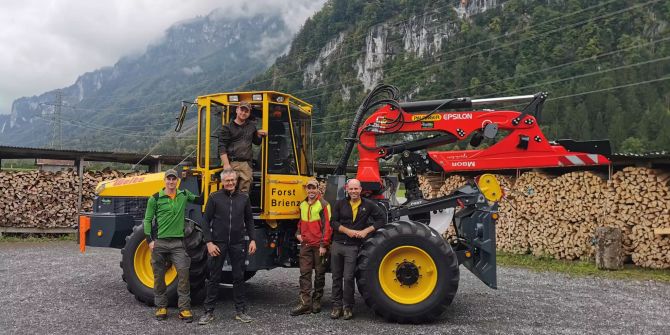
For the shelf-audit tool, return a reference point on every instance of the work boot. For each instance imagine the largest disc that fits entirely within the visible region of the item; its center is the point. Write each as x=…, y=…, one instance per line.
x=347, y=314
x=186, y=315
x=301, y=309
x=161, y=313
x=206, y=318
x=336, y=313
x=316, y=306
x=243, y=317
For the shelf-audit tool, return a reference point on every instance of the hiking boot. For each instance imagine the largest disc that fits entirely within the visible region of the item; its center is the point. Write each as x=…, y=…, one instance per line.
x=347, y=314
x=301, y=309
x=161, y=313
x=243, y=317
x=316, y=306
x=186, y=315
x=336, y=313
x=206, y=318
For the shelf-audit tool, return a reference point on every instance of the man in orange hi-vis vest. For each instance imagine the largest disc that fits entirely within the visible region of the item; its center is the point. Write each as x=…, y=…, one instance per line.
x=314, y=233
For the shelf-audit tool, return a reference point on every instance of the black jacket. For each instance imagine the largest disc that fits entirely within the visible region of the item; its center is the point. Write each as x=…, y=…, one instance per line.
x=343, y=215
x=227, y=215
x=236, y=140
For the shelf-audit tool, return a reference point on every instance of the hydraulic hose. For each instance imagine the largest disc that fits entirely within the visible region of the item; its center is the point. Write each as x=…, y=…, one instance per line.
x=387, y=92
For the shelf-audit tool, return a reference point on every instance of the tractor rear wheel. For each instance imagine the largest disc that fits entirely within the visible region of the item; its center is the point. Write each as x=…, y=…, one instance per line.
x=407, y=273
x=138, y=273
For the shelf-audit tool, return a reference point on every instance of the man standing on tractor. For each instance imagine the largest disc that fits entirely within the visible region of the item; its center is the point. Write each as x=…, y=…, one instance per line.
x=314, y=234
x=165, y=240
x=227, y=218
x=350, y=223
x=235, y=144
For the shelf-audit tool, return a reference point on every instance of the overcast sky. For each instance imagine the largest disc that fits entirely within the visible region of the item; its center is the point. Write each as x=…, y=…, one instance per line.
x=47, y=44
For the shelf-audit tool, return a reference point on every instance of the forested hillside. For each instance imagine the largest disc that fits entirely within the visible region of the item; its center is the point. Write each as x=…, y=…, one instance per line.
x=605, y=64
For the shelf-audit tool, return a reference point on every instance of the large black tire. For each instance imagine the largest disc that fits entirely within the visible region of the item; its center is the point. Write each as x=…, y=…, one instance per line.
x=195, y=248
x=393, y=250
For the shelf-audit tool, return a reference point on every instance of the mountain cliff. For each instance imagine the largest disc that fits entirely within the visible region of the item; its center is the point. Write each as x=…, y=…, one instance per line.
x=604, y=64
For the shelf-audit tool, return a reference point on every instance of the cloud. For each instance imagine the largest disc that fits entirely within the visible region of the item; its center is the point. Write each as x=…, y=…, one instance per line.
x=191, y=70
x=48, y=44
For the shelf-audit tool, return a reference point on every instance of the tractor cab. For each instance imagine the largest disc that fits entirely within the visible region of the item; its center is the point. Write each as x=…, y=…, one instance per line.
x=281, y=163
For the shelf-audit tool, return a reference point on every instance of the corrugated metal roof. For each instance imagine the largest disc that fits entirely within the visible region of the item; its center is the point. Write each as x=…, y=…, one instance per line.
x=651, y=154
x=9, y=152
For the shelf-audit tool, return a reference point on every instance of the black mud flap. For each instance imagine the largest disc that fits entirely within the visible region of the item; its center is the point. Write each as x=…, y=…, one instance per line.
x=478, y=253
x=601, y=147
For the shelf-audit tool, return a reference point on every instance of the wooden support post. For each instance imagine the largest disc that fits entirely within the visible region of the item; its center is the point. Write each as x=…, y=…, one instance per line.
x=155, y=167
x=80, y=170
x=609, y=255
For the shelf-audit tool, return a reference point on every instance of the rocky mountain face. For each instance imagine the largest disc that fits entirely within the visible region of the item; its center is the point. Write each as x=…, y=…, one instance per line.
x=601, y=62
x=129, y=105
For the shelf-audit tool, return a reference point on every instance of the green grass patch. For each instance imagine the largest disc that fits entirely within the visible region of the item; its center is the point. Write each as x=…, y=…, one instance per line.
x=579, y=268
x=13, y=237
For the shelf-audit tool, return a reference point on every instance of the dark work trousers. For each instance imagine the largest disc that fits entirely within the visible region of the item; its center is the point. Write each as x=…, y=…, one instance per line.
x=311, y=260
x=237, y=254
x=172, y=250
x=343, y=265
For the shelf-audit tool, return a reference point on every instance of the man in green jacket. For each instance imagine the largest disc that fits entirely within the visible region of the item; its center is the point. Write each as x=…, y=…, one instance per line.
x=166, y=243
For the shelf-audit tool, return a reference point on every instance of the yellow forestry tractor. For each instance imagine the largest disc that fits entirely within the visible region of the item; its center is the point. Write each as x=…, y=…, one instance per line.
x=406, y=271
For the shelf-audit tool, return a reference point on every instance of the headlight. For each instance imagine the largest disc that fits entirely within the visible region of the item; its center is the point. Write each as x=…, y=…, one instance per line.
x=100, y=188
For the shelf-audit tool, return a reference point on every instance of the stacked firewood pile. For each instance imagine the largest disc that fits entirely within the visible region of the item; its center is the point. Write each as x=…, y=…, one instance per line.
x=430, y=184
x=639, y=202
x=41, y=199
x=557, y=215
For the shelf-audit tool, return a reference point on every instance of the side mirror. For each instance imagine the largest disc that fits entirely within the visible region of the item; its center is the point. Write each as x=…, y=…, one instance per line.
x=181, y=117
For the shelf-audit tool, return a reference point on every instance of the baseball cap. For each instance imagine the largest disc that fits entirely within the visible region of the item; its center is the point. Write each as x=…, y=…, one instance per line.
x=245, y=104
x=312, y=182
x=171, y=172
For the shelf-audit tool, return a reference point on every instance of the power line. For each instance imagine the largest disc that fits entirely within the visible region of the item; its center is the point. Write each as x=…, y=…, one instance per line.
x=580, y=76
x=606, y=89
x=425, y=68
x=456, y=50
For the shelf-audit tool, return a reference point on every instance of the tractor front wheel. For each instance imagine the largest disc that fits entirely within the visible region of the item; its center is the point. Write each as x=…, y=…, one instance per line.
x=407, y=273
x=138, y=273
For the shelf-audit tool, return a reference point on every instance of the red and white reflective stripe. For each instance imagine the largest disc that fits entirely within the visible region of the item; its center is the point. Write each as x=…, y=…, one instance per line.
x=586, y=159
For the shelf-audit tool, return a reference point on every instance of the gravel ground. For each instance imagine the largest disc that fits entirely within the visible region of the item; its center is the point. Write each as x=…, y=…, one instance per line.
x=50, y=288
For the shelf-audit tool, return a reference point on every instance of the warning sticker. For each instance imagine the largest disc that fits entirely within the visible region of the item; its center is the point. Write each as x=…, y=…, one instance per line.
x=424, y=117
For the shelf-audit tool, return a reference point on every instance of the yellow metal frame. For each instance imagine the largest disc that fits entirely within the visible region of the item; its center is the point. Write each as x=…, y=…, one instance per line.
x=279, y=193
x=490, y=187
x=405, y=294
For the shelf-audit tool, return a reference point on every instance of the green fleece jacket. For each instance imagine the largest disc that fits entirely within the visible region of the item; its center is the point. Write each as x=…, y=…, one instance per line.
x=169, y=213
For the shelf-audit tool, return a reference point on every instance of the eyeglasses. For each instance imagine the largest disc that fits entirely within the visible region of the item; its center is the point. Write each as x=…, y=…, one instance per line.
x=311, y=187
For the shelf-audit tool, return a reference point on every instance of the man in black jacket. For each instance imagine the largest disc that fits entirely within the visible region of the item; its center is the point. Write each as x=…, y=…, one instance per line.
x=351, y=225
x=227, y=216
x=235, y=144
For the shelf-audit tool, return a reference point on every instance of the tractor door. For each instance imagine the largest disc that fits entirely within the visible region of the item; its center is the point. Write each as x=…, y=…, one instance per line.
x=288, y=161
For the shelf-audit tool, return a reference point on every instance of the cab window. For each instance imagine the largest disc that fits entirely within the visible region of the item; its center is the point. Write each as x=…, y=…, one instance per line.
x=281, y=158
x=302, y=129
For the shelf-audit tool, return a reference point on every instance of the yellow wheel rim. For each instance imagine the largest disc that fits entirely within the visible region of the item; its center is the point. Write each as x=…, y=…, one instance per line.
x=143, y=269
x=407, y=275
